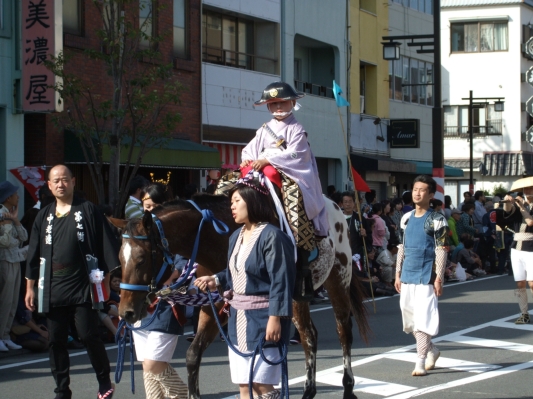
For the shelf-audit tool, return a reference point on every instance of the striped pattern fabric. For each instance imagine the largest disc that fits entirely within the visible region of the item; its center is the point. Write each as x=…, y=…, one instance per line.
x=230, y=154
x=168, y=384
x=238, y=259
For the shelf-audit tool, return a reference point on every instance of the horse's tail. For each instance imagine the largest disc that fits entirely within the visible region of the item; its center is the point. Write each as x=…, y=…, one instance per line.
x=357, y=298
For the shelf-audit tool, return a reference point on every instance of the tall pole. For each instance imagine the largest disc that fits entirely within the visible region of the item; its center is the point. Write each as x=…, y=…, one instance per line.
x=437, y=114
x=471, y=137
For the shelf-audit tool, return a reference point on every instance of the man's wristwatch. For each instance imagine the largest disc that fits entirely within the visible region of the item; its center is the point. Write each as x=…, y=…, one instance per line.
x=217, y=281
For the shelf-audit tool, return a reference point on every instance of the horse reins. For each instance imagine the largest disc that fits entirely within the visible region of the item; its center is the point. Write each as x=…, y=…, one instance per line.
x=207, y=216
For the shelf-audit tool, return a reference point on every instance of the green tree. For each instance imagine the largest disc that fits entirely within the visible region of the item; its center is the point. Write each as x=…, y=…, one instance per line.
x=134, y=116
x=499, y=190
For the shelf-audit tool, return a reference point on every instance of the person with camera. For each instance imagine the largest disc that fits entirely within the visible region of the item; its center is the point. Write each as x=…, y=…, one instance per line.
x=12, y=235
x=517, y=215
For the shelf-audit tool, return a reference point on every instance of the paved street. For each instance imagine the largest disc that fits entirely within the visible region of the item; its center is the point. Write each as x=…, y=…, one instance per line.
x=484, y=355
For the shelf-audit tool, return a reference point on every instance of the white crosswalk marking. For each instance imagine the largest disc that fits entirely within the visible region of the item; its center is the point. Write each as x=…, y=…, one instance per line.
x=366, y=385
x=448, y=363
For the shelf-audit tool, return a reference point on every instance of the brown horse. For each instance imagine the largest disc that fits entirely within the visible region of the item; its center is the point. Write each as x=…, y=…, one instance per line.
x=181, y=221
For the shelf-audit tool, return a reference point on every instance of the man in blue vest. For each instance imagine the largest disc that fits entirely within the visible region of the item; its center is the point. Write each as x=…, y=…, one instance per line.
x=420, y=267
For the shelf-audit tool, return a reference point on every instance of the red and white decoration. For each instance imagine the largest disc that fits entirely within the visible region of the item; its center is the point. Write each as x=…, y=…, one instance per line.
x=230, y=154
x=32, y=177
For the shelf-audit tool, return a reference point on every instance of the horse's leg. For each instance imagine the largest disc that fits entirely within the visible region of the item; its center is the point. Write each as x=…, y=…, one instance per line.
x=339, y=295
x=206, y=333
x=309, y=337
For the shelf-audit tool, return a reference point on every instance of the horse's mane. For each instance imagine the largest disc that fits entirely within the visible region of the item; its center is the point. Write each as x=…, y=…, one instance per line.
x=216, y=203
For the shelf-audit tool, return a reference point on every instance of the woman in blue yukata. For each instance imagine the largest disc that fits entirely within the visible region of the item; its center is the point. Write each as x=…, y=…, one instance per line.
x=260, y=277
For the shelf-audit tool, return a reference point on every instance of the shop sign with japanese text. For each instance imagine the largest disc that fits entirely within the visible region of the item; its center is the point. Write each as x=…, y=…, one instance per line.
x=42, y=36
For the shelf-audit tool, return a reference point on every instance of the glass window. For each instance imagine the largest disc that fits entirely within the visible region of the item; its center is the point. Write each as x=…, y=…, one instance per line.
x=458, y=37
x=429, y=79
x=398, y=79
x=1, y=14
x=429, y=7
x=500, y=37
x=71, y=17
x=414, y=80
x=229, y=40
x=422, y=79
x=245, y=43
x=450, y=116
x=421, y=5
x=146, y=19
x=463, y=116
x=413, y=4
x=475, y=37
x=471, y=38
x=406, y=80
x=180, y=31
x=212, y=25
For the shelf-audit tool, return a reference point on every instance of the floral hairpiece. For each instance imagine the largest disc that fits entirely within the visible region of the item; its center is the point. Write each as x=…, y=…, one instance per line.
x=255, y=180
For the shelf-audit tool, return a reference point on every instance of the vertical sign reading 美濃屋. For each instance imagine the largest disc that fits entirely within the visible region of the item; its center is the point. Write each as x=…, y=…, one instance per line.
x=42, y=30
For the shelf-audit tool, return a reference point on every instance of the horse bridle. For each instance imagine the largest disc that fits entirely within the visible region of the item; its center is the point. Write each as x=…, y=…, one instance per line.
x=167, y=258
x=207, y=216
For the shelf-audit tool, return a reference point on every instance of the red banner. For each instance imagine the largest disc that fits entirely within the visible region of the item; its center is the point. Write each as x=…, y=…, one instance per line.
x=32, y=177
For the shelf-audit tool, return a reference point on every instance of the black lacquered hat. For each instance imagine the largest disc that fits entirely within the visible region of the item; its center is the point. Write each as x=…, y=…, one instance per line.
x=279, y=91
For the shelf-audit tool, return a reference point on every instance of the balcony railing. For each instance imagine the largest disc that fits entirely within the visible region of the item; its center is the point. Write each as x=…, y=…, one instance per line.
x=492, y=128
x=217, y=55
x=311, y=88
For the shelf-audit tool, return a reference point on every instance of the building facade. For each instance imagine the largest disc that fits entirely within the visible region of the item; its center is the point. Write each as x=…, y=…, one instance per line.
x=410, y=86
x=369, y=110
x=483, y=51
x=183, y=155
x=248, y=45
x=11, y=117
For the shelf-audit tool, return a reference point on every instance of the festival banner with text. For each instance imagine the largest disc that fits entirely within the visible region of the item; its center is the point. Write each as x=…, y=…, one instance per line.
x=42, y=36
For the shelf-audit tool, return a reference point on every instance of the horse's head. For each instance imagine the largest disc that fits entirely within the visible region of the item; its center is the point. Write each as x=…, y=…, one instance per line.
x=141, y=258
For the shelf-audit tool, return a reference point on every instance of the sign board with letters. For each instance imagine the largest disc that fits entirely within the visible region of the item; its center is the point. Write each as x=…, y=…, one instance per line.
x=42, y=36
x=404, y=133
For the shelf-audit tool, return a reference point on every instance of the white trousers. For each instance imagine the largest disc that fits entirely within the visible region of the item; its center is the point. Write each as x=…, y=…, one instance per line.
x=419, y=306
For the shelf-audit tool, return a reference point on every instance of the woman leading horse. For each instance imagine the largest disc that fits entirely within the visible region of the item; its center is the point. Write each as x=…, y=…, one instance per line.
x=260, y=277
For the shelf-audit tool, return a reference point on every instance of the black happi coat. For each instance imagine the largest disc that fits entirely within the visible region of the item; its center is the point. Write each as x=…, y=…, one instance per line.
x=98, y=240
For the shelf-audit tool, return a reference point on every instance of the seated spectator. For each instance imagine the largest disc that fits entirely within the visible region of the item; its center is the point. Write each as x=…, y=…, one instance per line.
x=26, y=332
x=452, y=221
x=469, y=260
x=466, y=224
x=380, y=233
x=407, y=198
x=448, y=207
x=109, y=315
x=387, y=218
x=397, y=214
x=436, y=205
x=387, y=264
x=370, y=283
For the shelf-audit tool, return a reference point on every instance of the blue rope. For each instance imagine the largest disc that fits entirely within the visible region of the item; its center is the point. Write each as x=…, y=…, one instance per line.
x=122, y=342
x=220, y=228
x=258, y=350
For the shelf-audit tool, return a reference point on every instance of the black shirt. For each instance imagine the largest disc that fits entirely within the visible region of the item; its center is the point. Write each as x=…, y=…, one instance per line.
x=70, y=281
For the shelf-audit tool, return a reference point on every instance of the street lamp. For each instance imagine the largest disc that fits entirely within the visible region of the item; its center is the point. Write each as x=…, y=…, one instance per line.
x=437, y=113
x=391, y=51
x=498, y=107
